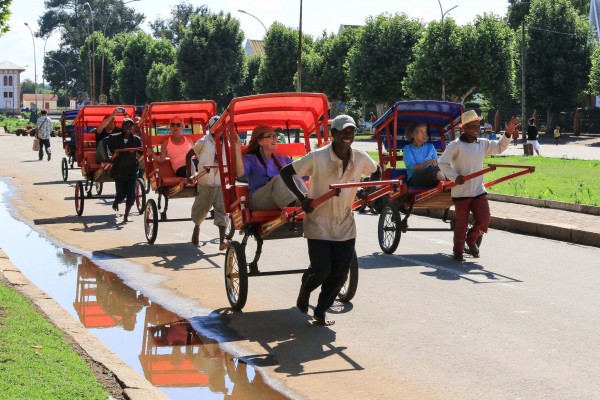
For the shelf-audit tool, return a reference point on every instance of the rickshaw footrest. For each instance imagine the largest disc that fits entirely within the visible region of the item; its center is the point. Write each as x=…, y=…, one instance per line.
x=286, y=272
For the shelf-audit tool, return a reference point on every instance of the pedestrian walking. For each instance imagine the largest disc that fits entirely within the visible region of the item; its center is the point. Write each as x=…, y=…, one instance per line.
x=330, y=229
x=43, y=131
x=556, y=135
x=532, y=136
x=515, y=136
x=462, y=157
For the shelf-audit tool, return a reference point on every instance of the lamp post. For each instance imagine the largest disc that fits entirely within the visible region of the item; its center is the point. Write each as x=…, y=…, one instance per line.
x=93, y=58
x=299, y=80
x=104, y=47
x=43, y=78
x=65, y=70
x=443, y=78
x=255, y=17
x=34, y=65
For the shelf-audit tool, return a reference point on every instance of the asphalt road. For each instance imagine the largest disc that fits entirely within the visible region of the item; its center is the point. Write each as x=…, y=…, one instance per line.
x=519, y=323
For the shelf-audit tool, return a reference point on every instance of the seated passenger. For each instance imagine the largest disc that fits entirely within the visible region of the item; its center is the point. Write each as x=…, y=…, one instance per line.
x=421, y=158
x=104, y=130
x=175, y=147
x=260, y=166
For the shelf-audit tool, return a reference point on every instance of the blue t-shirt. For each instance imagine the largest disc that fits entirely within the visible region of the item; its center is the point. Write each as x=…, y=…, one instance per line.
x=257, y=175
x=414, y=155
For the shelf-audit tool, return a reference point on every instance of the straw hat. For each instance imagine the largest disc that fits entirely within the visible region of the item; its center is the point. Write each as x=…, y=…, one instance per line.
x=469, y=116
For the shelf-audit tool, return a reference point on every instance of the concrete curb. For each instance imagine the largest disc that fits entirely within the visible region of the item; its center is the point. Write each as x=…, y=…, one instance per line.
x=135, y=387
x=556, y=205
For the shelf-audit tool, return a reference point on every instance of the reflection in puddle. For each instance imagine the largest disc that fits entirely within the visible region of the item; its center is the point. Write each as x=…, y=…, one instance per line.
x=166, y=349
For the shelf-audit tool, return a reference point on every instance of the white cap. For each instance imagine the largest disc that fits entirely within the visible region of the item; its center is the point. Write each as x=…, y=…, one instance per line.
x=342, y=121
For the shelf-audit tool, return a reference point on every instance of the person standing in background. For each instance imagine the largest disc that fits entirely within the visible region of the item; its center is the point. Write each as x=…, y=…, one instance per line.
x=43, y=128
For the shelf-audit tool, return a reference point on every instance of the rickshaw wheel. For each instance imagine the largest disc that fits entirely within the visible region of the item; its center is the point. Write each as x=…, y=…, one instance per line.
x=388, y=229
x=71, y=161
x=349, y=289
x=236, y=276
x=99, y=186
x=151, y=221
x=79, y=198
x=230, y=229
x=64, y=169
x=140, y=195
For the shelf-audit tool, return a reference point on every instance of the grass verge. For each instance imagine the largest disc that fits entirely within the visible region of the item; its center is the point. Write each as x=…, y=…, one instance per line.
x=36, y=361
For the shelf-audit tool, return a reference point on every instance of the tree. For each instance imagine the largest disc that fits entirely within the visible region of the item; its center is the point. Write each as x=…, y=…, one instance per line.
x=4, y=15
x=246, y=87
x=209, y=58
x=559, y=47
x=595, y=71
x=133, y=64
x=162, y=83
x=280, y=63
x=172, y=28
x=27, y=86
x=377, y=64
x=72, y=17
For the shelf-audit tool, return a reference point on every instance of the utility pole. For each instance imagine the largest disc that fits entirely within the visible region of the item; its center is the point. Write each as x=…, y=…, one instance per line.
x=299, y=81
x=523, y=97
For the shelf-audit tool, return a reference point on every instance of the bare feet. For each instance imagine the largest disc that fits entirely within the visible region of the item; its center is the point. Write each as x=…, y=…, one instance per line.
x=196, y=235
x=322, y=320
x=223, y=246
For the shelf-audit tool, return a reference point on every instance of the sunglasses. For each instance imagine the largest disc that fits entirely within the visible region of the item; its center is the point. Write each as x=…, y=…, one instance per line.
x=271, y=136
x=177, y=124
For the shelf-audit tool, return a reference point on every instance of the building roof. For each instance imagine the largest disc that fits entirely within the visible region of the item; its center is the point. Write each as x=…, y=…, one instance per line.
x=7, y=65
x=343, y=27
x=40, y=96
x=256, y=47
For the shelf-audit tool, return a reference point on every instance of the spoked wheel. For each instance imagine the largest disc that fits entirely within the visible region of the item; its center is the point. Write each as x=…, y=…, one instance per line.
x=388, y=229
x=230, y=229
x=99, y=186
x=140, y=195
x=79, y=198
x=65, y=169
x=349, y=289
x=236, y=276
x=151, y=221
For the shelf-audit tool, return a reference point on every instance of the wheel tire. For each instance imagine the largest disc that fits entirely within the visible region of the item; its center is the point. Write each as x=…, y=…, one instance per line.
x=236, y=276
x=79, y=198
x=99, y=186
x=140, y=195
x=64, y=167
x=230, y=229
x=151, y=221
x=349, y=289
x=388, y=229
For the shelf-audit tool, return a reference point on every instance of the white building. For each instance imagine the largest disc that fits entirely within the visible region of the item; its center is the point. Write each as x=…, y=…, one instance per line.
x=44, y=101
x=10, y=87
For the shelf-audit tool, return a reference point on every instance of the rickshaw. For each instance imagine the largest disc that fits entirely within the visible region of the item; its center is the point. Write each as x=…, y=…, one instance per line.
x=154, y=125
x=309, y=113
x=68, y=142
x=94, y=174
x=443, y=120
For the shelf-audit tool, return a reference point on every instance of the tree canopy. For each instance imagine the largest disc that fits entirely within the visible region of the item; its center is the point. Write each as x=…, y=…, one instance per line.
x=4, y=15
x=172, y=28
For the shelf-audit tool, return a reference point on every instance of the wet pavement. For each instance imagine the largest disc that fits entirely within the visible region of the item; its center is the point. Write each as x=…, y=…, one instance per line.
x=161, y=346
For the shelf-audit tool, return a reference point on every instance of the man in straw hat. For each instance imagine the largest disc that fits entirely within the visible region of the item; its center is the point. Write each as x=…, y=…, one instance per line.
x=330, y=229
x=462, y=157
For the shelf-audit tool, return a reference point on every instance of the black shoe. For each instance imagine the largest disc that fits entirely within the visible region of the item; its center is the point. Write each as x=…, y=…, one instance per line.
x=302, y=301
x=472, y=250
x=458, y=257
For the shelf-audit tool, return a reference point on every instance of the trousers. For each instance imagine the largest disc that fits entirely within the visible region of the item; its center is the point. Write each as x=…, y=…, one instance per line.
x=480, y=208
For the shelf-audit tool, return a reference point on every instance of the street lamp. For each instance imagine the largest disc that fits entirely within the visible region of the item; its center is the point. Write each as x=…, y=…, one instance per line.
x=93, y=58
x=104, y=47
x=43, y=78
x=255, y=17
x=443, y=78
x=63, y=66
x=34, y=65
x=299, y=81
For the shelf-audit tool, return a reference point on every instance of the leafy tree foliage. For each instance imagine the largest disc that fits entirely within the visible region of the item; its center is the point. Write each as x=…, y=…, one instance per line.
x=559, y=48
x=209, y=58
x=133, y=64
x=377, y=64
x=27, y=86
x=251, y=66
x=595, y=71
x=162, y=83
x=72, y=18
x=172, y=28
x=4, y=15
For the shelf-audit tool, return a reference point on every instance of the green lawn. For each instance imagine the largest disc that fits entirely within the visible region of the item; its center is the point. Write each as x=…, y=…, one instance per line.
x=36, y=362
x=572, y=181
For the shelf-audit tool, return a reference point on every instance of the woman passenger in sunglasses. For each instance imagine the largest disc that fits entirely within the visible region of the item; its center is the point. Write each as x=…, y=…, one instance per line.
x=175, y=147
x=260, y=166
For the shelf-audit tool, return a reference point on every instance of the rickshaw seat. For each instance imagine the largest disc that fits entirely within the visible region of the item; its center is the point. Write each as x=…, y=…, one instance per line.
x=90, y=157
x=396, y=173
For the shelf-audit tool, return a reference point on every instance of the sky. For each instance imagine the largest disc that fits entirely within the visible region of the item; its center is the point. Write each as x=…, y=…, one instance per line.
x=16, y=46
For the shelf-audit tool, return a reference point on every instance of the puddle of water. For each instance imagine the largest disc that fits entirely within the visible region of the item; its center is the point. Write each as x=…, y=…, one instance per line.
x=160, y=345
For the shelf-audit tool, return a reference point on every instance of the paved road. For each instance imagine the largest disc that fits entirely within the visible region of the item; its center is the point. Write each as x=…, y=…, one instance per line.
x=518, y=323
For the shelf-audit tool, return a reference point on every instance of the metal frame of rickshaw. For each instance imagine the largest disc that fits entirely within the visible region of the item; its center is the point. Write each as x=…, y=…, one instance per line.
x=88, y=118
x=308, y=112
x=68, y=142
x=443, y=119
x=196, y=114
